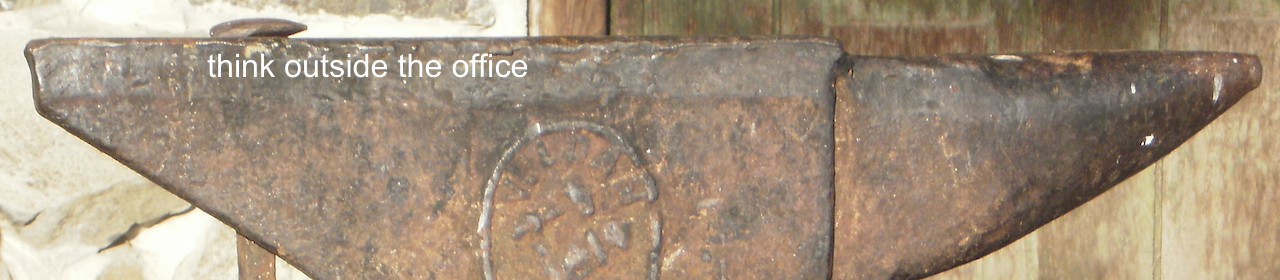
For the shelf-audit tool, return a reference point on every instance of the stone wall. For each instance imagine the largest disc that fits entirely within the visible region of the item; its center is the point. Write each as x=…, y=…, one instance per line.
x=68, y=211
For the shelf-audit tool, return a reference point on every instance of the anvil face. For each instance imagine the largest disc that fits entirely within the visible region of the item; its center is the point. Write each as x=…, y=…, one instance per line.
x=631, y=158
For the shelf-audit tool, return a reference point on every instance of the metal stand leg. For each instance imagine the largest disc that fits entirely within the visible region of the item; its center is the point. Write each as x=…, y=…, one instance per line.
x=255, y=263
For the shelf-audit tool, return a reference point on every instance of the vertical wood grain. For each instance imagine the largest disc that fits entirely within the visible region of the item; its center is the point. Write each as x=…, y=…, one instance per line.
x=1112, y=236
x=626, y=17
x=915, y=38
x=801, y=17
x=710, y=17
x=568, y=17
x=1098, y=25
x=695, y=18
x=1018, y=261
x=1220, y=196
x=882, y=27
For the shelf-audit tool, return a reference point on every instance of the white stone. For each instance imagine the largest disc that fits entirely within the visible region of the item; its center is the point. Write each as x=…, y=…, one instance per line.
x=76, y=190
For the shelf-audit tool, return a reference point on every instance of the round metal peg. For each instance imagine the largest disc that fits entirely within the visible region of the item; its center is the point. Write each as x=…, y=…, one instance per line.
x=256, y=27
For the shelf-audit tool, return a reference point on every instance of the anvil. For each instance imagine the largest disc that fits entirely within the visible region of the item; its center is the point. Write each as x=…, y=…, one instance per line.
x=632, y=157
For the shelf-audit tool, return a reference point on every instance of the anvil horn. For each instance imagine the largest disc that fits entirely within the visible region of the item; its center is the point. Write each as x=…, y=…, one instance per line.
x=943, y=159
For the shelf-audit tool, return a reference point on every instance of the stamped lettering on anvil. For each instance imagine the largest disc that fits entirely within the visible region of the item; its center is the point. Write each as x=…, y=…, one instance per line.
x=569, y=200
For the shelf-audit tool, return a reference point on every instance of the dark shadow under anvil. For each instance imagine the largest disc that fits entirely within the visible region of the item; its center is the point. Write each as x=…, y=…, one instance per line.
x=633, y=158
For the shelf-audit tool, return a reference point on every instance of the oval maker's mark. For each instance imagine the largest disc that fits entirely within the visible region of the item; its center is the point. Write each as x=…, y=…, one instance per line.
x=568, y=200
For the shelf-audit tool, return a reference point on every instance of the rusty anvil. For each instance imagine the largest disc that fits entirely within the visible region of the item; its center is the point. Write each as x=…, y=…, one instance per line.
x=633, y=158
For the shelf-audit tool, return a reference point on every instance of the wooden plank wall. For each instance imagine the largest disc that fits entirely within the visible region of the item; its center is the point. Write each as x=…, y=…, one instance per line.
x=1204, y=212
x=568, y=17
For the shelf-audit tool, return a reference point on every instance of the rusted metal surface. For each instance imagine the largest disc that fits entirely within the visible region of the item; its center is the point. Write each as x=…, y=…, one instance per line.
x=633, y=158
x=943, y=159
x=253, y=262
x=628, y=159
